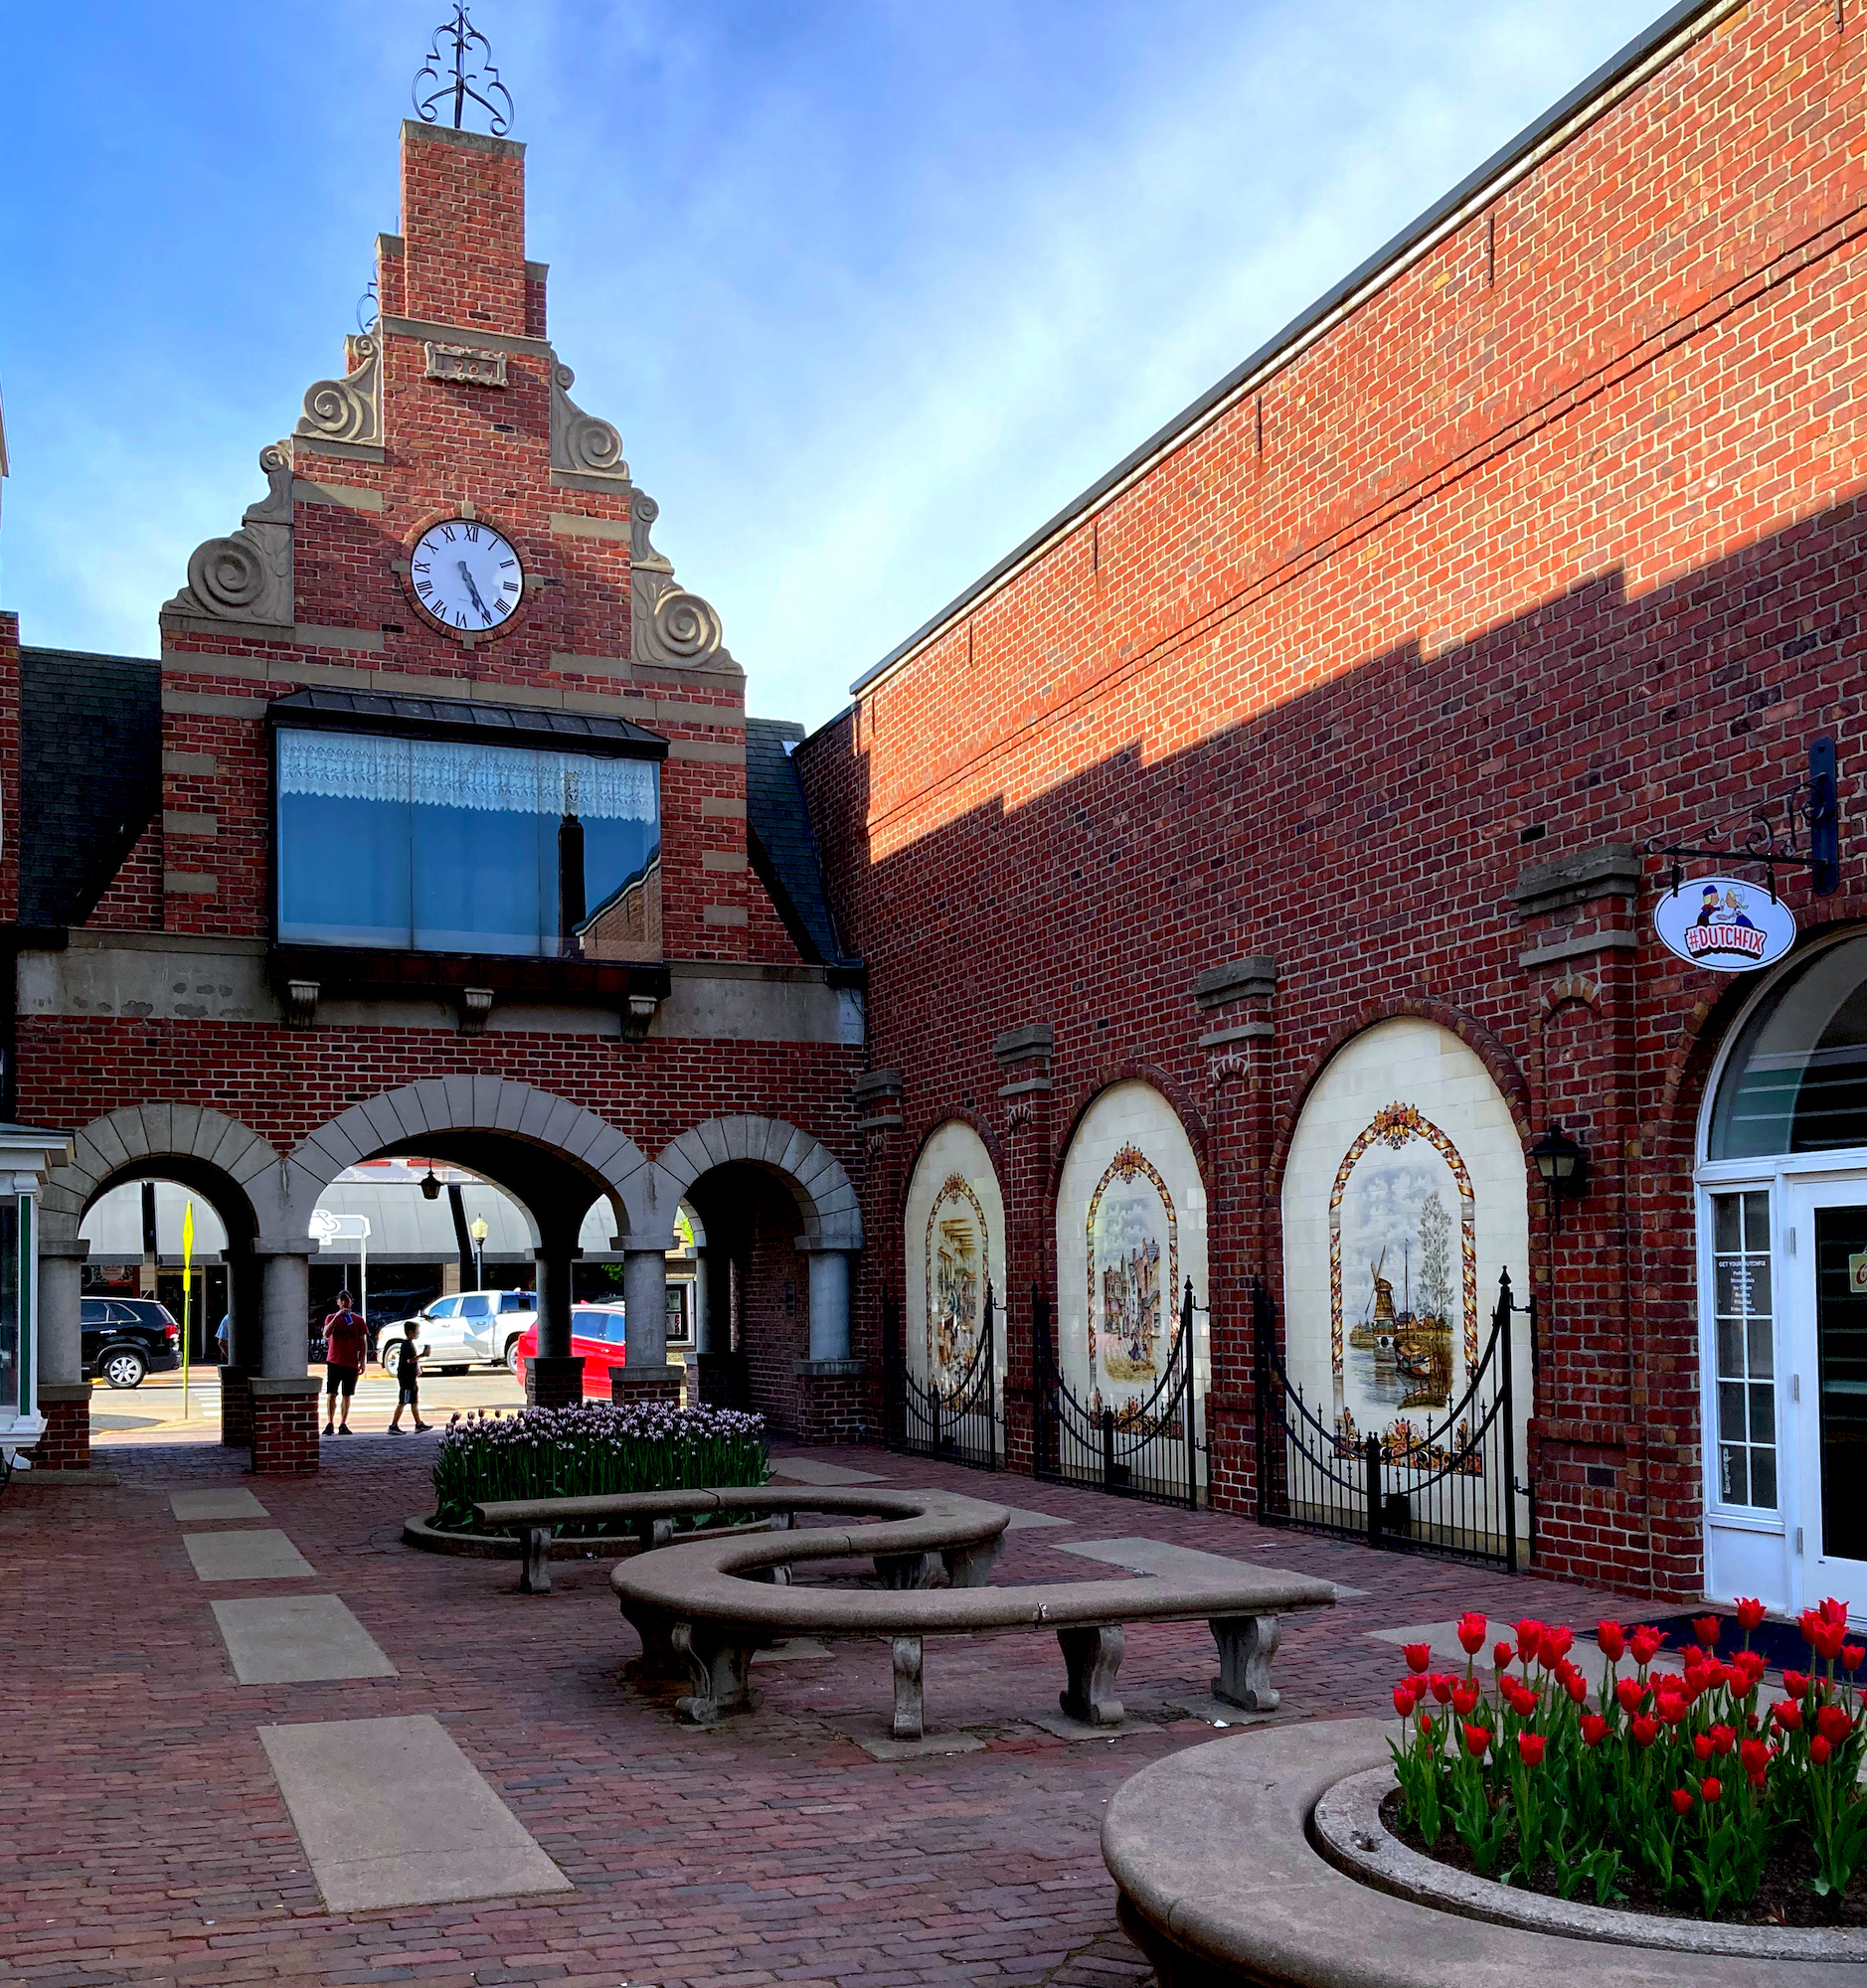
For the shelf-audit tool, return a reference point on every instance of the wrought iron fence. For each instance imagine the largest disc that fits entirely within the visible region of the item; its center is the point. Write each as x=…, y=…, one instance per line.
x=1450, y=1489
x=1148, y=1448
x=956, y=1423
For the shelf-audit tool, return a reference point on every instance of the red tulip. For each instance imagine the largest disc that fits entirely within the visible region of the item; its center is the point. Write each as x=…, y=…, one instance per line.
x=1822, y=1632
x=1477, y=1738
x=1818, y=1751
x=1613, y=1641
x=1756, y=1756
x=1576, y=1685
x=1796, y=1683
x=1852, y=1657
x=1833, y=1725
x=1417, y=1655
x=1702, y=1745
x=1403, y=1700
x=1646, y=1731
x=1530, y=1746
x=1705, y=1628
x=1465, y=1698
x=1472, y=1627
x=1442, y=1685
x=1710, y=1789
x=1750, y=1614
x=1645, y=1645
x=1631, y=1695
x=1682, y=1801
x=1787, y=1713
x=1747, y=1669
x=1503, y=1656
x=1426, y=1725
x=1556, y=1645
x=1529, y=1638
x=1594, y=1729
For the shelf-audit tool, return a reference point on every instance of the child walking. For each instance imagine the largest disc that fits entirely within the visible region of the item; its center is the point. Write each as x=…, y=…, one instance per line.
x=408, y=1385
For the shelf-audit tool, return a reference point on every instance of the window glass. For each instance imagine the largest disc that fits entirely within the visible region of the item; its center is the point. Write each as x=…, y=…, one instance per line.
x=93, y=1311
x=1742, y=1318
x=443, y=1308
x=448, y=847
x=515, y=1301
x=588, y=1323
x=481, y=1306
x=1796, y=1082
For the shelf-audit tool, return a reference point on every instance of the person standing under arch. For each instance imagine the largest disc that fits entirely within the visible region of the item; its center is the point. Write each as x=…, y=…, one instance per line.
x=346, y=1347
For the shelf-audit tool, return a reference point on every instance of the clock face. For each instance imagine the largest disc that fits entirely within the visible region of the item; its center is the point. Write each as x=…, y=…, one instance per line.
x=466, y=574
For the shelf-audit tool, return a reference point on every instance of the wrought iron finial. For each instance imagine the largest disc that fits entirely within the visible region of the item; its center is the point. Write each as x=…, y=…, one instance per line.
x=474, y=79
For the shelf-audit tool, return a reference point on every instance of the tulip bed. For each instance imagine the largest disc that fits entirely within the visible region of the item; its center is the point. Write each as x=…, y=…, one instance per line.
x=592, y=1451
x=1655, y=1790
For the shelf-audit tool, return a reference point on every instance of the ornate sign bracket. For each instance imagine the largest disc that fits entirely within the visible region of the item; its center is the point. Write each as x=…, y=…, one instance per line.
x=1812, y=805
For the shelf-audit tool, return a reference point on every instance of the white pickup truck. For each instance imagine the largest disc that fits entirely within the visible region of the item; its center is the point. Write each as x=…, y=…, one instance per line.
x=469, y=1329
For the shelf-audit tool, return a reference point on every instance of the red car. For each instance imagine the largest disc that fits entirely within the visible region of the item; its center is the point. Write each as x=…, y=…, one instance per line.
x=597, y=1335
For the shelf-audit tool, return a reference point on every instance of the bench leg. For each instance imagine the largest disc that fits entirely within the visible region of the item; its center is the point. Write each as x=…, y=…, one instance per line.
x=535, y=1563
x=902, y=1570
x=971, y=1567
x=1091, y=1657
x=910, y=1705
x=719, y=1660
x=658, y=1658
x=652, y=1533
x=1246, y=1643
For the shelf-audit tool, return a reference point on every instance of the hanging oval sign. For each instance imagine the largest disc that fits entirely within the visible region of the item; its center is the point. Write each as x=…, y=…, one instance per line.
x=1724, y=925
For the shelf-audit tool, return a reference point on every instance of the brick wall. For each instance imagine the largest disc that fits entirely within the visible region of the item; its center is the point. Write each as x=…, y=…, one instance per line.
x=1551, y=541
x=285, y=1430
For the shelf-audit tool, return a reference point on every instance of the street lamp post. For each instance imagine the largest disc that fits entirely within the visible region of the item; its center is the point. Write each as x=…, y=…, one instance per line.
x=477, y=1229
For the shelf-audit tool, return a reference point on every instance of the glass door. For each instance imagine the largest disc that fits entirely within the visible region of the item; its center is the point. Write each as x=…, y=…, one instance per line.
x=1828, y=1388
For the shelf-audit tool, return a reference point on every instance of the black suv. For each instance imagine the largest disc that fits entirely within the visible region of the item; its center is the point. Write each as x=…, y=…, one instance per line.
x=126, y=1338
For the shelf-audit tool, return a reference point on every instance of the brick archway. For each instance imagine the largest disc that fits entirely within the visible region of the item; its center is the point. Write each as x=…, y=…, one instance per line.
x=140, y=1139
x=443, y=1110
x=817, y=1178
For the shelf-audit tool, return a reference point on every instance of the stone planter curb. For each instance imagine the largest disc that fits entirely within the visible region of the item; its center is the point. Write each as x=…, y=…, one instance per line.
x=1351, y=1835
x=433, y=1538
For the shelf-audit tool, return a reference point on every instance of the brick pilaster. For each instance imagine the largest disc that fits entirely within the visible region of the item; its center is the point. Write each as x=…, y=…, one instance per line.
x=833, y=1401
x=66, y=1443
x=284, y=1426
x=236, y=1407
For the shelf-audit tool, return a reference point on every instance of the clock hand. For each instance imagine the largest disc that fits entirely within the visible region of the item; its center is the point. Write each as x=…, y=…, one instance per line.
x=461, y=567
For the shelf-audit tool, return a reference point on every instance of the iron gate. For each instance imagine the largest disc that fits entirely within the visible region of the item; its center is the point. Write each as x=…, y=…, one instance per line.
x=1449, y=1489
x=1147, y=1449
x=955, y=1424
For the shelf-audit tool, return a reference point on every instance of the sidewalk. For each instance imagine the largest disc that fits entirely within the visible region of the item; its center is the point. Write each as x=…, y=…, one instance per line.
x=145, y=1836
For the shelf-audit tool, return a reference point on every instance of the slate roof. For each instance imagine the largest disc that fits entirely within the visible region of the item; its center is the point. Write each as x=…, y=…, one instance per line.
x=90, y=775
x=781, y=843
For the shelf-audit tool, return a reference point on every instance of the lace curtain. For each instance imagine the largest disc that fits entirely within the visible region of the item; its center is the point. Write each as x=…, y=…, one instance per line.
x=501, y=779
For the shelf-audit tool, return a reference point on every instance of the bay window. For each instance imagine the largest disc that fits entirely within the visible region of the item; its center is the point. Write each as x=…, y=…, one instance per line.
x=447, y=845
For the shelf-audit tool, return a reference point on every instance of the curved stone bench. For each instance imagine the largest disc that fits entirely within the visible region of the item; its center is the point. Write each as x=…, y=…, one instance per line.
x=712, y=1602
x=964, y=1534
x=1219, y=1884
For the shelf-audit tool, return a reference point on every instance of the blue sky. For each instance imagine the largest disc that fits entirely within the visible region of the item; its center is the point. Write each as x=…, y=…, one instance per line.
x=871, y=288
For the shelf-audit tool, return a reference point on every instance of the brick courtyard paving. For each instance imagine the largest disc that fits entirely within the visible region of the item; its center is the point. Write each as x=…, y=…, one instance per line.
x=143, y=1838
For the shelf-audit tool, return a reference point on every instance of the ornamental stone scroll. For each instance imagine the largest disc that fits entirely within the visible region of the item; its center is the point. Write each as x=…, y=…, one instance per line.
x=668, y=624
x=349, y=410
x=579, y=442
x=248, y=577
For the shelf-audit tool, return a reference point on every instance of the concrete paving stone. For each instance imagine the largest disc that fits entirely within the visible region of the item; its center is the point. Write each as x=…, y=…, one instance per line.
x=298, y=1639
x=1024, y=1522
x=192, y=1505
x=391, y=1812
x=871, y=1733
x=814, y=1471
x=249, y=1556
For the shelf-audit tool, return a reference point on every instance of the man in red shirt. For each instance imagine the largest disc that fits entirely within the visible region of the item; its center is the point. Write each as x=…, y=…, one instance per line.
x=346, y=1347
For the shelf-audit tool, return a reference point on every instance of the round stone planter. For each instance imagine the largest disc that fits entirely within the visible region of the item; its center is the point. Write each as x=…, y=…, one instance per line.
x=1223, y=1878
x=493, y=1546
x=1349, y=1832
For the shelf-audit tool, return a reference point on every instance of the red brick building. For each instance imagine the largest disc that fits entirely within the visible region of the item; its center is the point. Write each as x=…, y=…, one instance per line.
x=1251, y=867
x=440, y=829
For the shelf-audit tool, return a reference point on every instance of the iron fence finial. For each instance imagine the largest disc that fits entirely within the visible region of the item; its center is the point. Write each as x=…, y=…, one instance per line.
x=473, y=77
